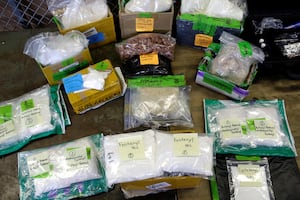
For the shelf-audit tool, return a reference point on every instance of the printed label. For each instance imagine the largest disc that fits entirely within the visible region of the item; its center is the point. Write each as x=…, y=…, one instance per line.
x=149, y=59
x=144, y=24
x=90, y=32
x=231, y=128
x=73, y=83
x=7, y=130
x=218, y=83
x=245, y=48
x=203, y=40
x=265, y=128
x=39, y=165
x=31, y=117
x=249, y=176
x=28, y=104
x=186, y=144
x=77, y=158
x=132, y=148
x=5, y=113
x=158, y=186
x=165, y=81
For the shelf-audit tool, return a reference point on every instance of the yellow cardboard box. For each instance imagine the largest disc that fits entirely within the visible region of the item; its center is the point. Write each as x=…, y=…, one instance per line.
x=91, y=98
x=98, y=33
x=54, y=73
x=133, y=23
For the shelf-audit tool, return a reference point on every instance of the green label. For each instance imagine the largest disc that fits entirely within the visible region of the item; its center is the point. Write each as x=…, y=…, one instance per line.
x=26, y=105
x=218, y=83
x=245, y=48
x=101, y=66
x=67, y=62
x=161, y=81
x=243, y=158
x=145, y=15
x=251, y=123
x=5, y=113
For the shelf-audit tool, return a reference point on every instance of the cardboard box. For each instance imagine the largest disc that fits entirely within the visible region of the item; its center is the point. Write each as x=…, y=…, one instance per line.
x=82, y=101
x=98, y=33
x=134, y=23
x=200, y=31
x=54, y=73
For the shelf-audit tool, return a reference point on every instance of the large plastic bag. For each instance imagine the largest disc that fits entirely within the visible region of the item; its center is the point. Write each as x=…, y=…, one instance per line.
x=148, y=5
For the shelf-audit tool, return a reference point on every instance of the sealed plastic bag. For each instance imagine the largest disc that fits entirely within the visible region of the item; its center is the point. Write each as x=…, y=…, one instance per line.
x=185, y=153
x=51, y=47
x=133, y=6
x=258, y=127
x=235, y=58
x=33, y=115
x=74, y=13
x=64, y=171
x=130, y=157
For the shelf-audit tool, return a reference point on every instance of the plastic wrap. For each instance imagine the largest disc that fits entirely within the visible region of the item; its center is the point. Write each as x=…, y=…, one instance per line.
x=185, y=153
x=249, y=180
x=130, y=156
x=232, y=9
x=144, y=43
x=134, y=6
x=257, y=127
x=33, y=115
x=74, y=13
x=51, y=47
x=235, y=58
x=64, y=171
x=157, y=107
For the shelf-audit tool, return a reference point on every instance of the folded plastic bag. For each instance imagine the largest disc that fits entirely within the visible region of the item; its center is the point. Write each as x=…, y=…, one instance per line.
x=148, y=5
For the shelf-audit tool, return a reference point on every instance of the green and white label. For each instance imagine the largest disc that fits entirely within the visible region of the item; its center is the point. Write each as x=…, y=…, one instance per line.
x=132, y=148
x=31, y=117
x=232, y=128
x=39, y=165
x=249, y=176
x=77, y=158
x=186, y=144
x=7, y=130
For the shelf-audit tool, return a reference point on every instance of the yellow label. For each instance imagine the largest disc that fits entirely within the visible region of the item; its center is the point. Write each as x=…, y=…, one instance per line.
x=149, y=59
x=203, y=40
x=144, y=24
x=231, y=128
x=132, y=148
x=265, y=129
x=249, y=176
x=186, y=144
x=7, y=130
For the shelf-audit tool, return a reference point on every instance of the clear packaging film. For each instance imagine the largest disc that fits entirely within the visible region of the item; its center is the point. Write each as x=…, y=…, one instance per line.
x=235, y=58
x=153, y=6
x=231, y=9
x=34, y=115
x=50, y=48
x=144, y=43
x=130, y=157
x=249, y=180
x=157, y=105
x=74, y=13
x=185, y=153
x=65, y=171
x=258, y=127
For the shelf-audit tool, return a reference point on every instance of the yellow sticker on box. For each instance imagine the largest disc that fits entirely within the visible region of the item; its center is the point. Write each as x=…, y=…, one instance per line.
x=149, y=59
x=203, y=40
x=144, y=24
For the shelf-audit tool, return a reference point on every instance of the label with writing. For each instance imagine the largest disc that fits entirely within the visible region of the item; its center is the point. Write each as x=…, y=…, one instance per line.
x=186, y=144
x=158, y=186
x=132, y=148
x=5, y=113
x=7, y=130
x=245, y=48
x=265, y=128
x=27, y=104
x=149, y=59
x=231, y=128
x=144, y=24
x=39, y=165
x=203, y=40
x=249, y=175
x=31, y=117
x=77, y=158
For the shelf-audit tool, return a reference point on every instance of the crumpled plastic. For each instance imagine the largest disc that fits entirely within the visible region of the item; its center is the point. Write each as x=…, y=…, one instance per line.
x=148, y=6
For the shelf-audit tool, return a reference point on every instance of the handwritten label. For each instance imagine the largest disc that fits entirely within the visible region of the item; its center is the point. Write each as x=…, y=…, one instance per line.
x=231, y=128
x=186, y=144
x=31, y=117
x=7, y=130
x=203, y=40
x=265, y=128
x=132, y=148
x=144, y=24
x=149, y=59
x=39, y=165
x=77, y=158
x=249, y=176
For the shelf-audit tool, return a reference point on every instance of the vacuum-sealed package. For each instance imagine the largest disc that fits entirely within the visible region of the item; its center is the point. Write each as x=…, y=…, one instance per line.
x=157, y=102
x=50, y=48
x=185, y=153
x=250, y=180
x=34, y=115
x=65, y=171
x=130, y=157
x=74, y=13
x=137, y=6
x=235, y=58
x=258, y=127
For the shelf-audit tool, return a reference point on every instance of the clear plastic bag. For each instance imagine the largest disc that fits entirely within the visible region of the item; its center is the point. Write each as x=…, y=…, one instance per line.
x=134, y=6
x=64, y=171
x=51, y=47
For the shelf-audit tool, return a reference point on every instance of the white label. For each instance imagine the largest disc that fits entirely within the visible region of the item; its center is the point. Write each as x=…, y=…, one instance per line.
x=7, y=130
x=69, y=66
x=38, y=164
x=265, y=128
x=76, y=158
x=31, y=117
x=90, y=32
x=231, y=128
x=249, y=176
x=132, y=148
x=158, y=186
